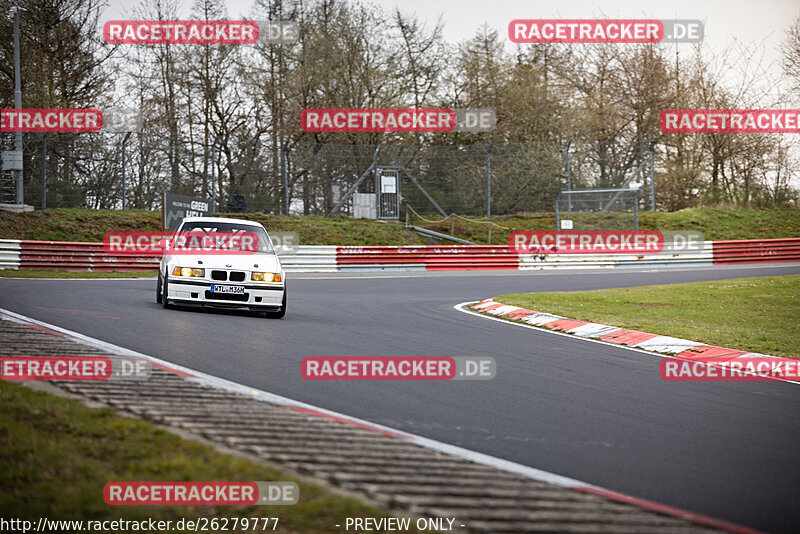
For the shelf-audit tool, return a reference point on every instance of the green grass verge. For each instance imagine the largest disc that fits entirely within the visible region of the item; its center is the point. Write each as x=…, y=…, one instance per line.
x=56, y=454
x=92, y=225
x=714, y=223
x=50, y=273
x=754, y=314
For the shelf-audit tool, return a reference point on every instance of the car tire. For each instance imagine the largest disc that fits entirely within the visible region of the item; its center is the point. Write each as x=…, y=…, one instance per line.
x=164, y=299
x=159, y=295
x=280, y=313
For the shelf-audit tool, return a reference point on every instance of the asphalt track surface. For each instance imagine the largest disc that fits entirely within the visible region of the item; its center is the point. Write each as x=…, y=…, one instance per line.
x=589, y=411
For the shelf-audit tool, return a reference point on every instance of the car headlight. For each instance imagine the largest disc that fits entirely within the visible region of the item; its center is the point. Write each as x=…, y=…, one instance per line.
x=266, y=277
x=189, y=272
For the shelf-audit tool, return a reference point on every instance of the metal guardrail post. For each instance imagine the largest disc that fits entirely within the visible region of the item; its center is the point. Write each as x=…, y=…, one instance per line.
x=378, y=196
x=214, y=174
x=489, y=184
x=489, y=189
x=44, y=171
x=652, y=181
x=18, y=102
x=569, y=178
x=558, y=215
x=286, y=176
x=124, y=142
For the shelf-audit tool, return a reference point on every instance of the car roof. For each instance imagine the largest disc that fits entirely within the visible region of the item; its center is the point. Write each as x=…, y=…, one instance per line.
x=219, y=220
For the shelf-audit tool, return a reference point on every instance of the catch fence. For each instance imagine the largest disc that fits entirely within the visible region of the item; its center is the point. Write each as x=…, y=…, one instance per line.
x=269, y=175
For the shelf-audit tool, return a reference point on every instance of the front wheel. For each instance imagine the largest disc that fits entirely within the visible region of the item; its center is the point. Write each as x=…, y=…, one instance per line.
x=164, y=301
x=159, y=296
x=280, y=313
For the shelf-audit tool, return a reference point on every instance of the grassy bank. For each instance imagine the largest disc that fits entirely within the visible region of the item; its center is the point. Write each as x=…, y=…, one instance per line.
x=754, y=314
x=714, y=223
x=92, y=225
x=56, y=455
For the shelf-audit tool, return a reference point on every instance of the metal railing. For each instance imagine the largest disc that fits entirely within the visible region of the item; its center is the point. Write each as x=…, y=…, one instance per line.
x=16, y=254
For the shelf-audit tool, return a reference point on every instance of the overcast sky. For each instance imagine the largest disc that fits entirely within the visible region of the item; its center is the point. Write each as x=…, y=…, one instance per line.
x=756, y=23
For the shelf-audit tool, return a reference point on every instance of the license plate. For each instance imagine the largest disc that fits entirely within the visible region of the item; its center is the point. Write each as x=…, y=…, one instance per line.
x=233, y=290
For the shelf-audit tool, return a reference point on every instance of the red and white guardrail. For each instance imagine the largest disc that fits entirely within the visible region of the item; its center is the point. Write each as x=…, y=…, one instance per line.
x=78, y=256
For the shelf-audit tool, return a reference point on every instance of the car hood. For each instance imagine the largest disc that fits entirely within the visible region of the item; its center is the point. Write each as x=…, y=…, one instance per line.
x=245, y=262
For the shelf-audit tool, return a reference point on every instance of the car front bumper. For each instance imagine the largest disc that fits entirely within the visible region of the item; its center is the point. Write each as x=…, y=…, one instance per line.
x=266, y=296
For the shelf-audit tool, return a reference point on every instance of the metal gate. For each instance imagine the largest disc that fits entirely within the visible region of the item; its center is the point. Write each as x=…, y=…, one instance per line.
x=387, y=185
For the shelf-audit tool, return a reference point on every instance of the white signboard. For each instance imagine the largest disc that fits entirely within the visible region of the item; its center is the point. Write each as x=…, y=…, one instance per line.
x=12, y=161
x=388, y=183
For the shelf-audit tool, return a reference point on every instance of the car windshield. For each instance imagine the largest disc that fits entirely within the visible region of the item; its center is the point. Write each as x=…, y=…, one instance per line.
x=264, y=244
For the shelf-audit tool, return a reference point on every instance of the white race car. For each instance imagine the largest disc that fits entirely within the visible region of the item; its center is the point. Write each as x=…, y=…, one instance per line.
x=254, y=281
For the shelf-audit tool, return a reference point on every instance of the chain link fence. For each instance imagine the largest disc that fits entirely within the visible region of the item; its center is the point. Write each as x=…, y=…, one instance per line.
x=267, y=175
x=597, y=209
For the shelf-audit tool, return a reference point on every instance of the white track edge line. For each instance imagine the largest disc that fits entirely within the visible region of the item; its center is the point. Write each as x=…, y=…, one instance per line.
x=264, y=396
